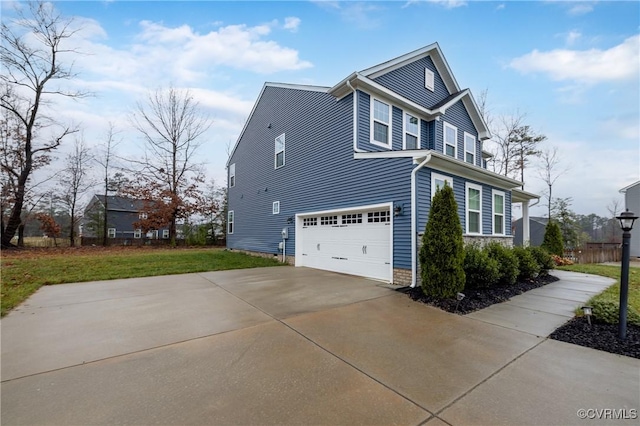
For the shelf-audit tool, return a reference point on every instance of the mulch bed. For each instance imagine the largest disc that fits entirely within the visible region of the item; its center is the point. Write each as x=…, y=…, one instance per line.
x=600, y=336
x=480, y=298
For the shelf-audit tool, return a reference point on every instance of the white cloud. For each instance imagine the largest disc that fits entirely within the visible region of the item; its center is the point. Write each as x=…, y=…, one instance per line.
x=449, y=4
x=621, y=62
x=291, y=23
x=572, y=36
x=581, y=8
x=500, y=6
x=358, y=13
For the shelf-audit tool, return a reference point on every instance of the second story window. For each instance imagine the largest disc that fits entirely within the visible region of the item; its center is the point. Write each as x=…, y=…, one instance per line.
x=232, y=175
x=411, y=132
x=142, y=215
x=280, y=151
x=469, y=148
x=381, y=123
x=450, y=140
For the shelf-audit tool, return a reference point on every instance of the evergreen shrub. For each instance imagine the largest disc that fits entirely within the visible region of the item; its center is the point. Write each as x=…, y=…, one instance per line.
x=552, y=241
x=507, y=263
x=480, y=270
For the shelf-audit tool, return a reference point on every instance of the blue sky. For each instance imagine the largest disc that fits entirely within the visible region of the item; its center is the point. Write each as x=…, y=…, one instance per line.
x=572, y=67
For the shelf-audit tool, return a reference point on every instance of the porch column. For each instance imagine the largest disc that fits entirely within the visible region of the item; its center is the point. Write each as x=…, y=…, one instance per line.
x=526, y=235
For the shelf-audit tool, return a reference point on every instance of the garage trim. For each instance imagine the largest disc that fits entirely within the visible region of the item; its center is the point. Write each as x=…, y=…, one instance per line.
x=301, y=216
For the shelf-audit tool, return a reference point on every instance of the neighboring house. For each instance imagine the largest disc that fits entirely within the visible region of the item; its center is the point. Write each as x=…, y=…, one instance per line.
x=537, y=227
x=343, y=176
x=632, y=203
x=122, y=214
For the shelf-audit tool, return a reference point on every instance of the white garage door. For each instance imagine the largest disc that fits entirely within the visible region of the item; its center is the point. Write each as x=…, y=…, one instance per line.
x=357, y=243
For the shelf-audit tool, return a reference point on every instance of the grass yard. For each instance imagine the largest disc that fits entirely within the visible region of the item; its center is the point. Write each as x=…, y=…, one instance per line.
x=612, y=293
x=25, y=271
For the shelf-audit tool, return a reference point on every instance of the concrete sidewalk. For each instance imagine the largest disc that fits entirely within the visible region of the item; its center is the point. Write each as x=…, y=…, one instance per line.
x=288, y=346
x=542, y=310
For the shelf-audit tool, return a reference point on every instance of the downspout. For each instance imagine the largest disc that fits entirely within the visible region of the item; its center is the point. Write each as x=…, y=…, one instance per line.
x=414, y=209
x=355, y=118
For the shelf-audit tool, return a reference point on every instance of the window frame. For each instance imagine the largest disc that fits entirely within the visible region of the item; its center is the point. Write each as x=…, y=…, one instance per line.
x=111, y=232
x=467, y=210
x=137, y=233
x=429, y=80
x=232, y=175
x=165, y=234
x=466, y=151
x=494, y=213
x=444, y=140
x=374, y=120
x=275, y=207
x=230, y=222
x=434, y=176
x=143, y=215
x=275, y=159
x=406, y=132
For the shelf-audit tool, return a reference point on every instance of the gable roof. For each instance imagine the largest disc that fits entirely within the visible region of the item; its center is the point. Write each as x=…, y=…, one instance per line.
x=541, y=220
x=118, y=203
x=623, y=190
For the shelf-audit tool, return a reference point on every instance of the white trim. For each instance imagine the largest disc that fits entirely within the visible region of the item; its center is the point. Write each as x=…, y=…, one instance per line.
x=137, y=233
x=111, y=231
x=373, y=120
x=232, y=175
x=429, y=80
x=626, y=188
x=276, y=152
x=165, y=234
x=275, y=207
x=231, y=225
x=466, y=151
x=301, y=216
x=434, y=176
x=414, y=215
x=469, y=186
x=494, y=213
x=444, y=139
x=406, y=132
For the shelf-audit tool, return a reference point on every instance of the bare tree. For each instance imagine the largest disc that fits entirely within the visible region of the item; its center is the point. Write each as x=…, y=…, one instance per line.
x=550, y=170
x=31, y=48
x=105, y=160
x=169, y=176
x=525, y=142
x=75, y=181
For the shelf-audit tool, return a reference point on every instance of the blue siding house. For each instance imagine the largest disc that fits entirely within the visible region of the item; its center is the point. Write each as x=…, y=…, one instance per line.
x=341, y=178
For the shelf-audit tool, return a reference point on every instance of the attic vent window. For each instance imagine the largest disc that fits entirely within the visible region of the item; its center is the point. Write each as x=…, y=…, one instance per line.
x=429, y=79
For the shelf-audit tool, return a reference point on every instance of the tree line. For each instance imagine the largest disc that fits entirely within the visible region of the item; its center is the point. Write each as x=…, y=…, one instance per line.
x=168, y=178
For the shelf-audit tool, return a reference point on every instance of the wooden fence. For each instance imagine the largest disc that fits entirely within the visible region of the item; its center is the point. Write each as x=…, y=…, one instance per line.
x=595, y=255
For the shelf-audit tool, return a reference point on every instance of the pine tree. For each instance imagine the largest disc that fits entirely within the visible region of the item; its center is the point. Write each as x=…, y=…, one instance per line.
x=442, y=251
x=553, y=239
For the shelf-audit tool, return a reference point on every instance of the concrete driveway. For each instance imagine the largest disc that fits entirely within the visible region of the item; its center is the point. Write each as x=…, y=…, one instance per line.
x=288, y=345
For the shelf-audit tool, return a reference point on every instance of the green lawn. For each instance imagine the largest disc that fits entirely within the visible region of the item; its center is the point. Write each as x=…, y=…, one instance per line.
x=612, y=294
x=25, y=272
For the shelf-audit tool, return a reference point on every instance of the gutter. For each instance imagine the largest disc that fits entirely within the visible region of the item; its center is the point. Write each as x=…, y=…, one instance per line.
x=355, y=118
x=414, y=208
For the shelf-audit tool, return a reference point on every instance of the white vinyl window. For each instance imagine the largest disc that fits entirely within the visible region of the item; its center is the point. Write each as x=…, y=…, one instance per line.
x=165, y=234
x=411, y=132
x=279, y=160
x=276, y=207
x=232, y=175
x=380, y=123
x=230, y=222
x=438, y=182
x=142, y=215
x=469, y=148
x=498, y=213
x=450, y=140
x=429, y=79
x=474, y=209
x=152, y=235
x=137, y=233
x=111, y=232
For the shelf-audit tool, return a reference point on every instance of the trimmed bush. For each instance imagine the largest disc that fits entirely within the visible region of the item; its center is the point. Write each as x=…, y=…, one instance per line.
x=552, y=241
x=544, y=259
x=480, y=270
x=527, y=264
x=442, y=252
x=606, y=310
x=507, y=263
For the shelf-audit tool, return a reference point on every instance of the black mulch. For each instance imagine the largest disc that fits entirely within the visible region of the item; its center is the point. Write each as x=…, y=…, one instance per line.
x=480, y=298
x=600, y=336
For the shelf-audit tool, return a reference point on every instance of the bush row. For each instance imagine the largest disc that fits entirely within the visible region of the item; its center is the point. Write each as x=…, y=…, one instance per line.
x=497, y=265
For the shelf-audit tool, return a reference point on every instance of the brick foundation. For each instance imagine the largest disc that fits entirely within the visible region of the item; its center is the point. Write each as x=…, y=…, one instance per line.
x=402, y=277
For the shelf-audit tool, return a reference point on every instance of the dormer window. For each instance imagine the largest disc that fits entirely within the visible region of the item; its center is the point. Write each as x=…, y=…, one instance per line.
x=429, y=79
x=450, y=140
x=381, y=123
